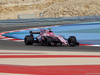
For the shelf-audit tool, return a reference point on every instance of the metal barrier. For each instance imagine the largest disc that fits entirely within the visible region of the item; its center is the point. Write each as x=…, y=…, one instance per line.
x=51, y=21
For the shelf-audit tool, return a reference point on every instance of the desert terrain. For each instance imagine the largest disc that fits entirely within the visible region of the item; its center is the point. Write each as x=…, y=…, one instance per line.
x=9, y=9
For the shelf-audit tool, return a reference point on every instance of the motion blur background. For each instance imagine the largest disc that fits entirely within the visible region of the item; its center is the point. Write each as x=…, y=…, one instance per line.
x=10, y=9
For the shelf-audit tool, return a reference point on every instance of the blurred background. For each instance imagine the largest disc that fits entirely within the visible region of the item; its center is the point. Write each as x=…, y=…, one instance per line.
x=12, y=9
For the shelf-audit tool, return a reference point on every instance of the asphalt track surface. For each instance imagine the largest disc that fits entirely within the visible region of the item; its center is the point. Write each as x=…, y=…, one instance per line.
x=11, y=45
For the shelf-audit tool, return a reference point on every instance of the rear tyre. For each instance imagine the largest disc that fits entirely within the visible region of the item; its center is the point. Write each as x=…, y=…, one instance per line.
x=49, y=41
x=29, y=40
x=72, y=40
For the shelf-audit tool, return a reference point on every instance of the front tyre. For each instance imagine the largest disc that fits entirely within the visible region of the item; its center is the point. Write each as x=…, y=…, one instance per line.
x=29, y=40
x=72, y=41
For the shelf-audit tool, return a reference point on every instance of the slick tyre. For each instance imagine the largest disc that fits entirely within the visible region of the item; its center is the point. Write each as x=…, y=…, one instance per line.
x=49, y=41
x=29, y=40
x=72, y=40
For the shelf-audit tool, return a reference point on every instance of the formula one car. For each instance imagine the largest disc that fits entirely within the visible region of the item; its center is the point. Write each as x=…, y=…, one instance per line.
x=48, y=38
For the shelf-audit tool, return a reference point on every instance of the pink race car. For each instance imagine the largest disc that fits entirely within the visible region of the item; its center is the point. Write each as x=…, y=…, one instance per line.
x=48, y=38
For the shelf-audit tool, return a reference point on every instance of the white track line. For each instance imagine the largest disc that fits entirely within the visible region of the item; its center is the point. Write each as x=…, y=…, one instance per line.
x=48, y=52
x=94, y=45
x=49, y=61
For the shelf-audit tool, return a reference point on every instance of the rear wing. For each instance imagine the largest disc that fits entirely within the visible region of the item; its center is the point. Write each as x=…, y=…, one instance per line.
x=34, y=32
x=38, y=32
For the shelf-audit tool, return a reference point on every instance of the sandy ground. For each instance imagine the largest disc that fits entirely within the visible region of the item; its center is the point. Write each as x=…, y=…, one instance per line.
x=9, y=9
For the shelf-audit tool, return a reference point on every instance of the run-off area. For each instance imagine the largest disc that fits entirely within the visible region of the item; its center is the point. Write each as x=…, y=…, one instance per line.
x=86, y=33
